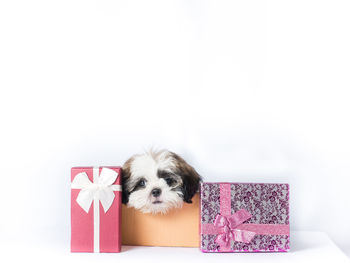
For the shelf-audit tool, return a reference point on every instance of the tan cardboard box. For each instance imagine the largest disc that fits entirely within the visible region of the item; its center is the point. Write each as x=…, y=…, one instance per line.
x=177, y=228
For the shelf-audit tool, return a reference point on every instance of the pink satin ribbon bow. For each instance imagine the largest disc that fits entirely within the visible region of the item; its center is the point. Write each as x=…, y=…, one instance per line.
x=228, y=225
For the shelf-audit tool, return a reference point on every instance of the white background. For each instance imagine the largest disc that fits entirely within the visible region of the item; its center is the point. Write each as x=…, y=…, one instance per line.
x=244, y=90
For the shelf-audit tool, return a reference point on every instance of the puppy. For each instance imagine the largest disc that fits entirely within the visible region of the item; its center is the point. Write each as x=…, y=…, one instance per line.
x=155, y=182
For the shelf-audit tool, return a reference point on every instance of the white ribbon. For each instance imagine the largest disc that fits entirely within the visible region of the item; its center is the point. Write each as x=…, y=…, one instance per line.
x=101, y=189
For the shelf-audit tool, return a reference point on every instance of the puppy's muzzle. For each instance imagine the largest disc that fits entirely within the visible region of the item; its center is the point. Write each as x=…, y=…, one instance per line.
x=156, y=192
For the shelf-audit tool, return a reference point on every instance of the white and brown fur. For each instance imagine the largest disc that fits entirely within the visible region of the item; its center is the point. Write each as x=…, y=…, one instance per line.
x=155, y=182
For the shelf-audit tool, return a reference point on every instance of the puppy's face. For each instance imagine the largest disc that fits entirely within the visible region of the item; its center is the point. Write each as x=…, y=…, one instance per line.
x=158, y=181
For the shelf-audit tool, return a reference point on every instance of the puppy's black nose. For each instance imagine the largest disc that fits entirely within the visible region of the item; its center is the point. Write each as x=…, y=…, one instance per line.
x=156, y=192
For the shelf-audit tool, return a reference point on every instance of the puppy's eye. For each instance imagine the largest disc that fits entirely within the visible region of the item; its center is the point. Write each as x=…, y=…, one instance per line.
x=169, y=181
x=141, y=183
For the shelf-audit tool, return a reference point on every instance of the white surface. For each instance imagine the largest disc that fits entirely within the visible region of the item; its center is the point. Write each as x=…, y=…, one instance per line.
x=306, y=247
x=251, y=90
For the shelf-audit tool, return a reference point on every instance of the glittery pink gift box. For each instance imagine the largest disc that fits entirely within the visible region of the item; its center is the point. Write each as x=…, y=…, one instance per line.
x=244, y=217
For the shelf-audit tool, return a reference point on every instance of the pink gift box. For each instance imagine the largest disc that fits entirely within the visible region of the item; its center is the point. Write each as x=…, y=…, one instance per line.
x=244, y=217
x=96, y=209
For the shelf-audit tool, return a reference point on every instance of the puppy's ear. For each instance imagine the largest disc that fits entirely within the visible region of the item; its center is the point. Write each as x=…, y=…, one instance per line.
x=126, y=173
x=190, y=178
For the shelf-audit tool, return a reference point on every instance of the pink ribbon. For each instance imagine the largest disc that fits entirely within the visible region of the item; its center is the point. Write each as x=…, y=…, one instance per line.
x=230, y=228
x=228, y=225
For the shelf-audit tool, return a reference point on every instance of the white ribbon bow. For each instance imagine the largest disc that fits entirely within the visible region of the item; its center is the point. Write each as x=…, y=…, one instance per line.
x=101, y=189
